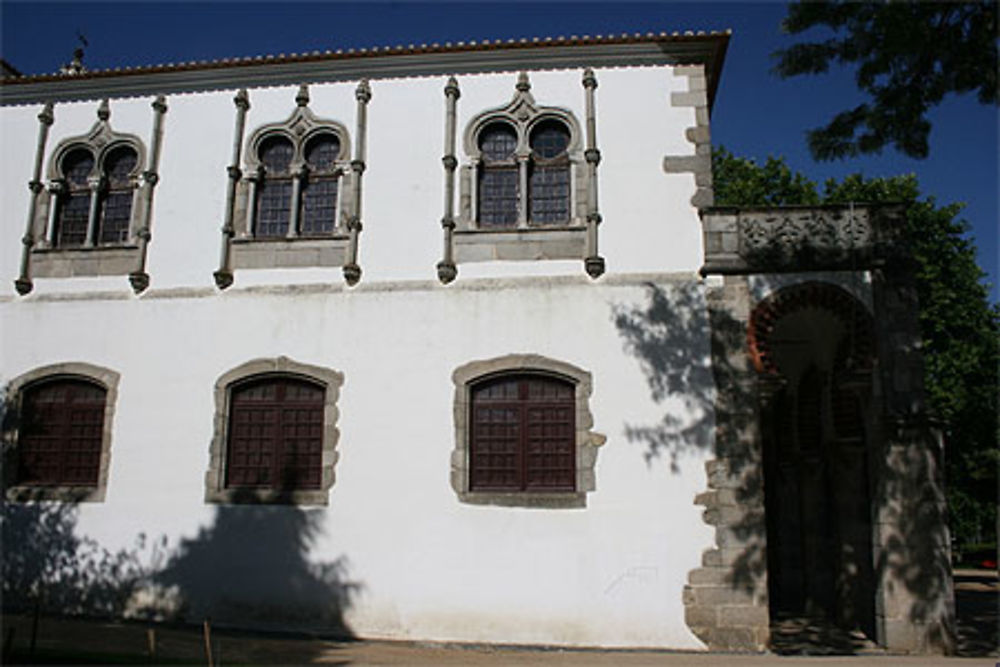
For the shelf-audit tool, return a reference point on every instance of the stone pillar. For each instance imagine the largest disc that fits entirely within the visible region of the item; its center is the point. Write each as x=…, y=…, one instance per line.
x=446, y=269
x=915, y=605
x=363, y=95
x=593, y=263
x=23, y=284
x=224, y=275
x=138, y=278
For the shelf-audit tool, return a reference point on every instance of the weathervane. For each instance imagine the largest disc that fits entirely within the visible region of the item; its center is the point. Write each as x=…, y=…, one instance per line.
x=76, y=65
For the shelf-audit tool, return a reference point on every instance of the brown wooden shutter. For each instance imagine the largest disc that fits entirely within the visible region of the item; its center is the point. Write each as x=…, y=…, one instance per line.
x=61, y=432
x=523, y=434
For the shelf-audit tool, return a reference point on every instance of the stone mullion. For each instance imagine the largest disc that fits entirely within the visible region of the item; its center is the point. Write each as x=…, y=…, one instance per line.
x=57, y=189
x=522, y=199
x=593, y=263
x=446, y=267
x=224, y=276
x=94, y=183
x=139, y=279
x=352, y=272
x=298, y=175
x=23, y=283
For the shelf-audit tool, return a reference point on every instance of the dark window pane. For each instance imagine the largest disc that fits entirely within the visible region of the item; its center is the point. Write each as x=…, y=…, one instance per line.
x=116, y=216
x=497, y=142
x=116, y=208
x=60, y=435
x=498, y=196
x=74, y=204
x=548, y=188
x=276, y=435
x=276, y=155
x=322, y=152
x=119, y=166
x=523, y=434
x=549, y=139
x=319, y=205
x=77, y=166
x=274, y=204
x=74, y=212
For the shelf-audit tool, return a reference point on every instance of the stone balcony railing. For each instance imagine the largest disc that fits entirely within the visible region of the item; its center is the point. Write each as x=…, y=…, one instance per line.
x=800, y=238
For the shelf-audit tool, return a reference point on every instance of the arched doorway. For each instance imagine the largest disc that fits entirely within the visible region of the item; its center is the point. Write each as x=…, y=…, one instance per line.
x=812, y=346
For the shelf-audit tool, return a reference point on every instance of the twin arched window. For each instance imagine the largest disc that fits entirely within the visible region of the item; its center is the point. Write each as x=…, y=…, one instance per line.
x=94, y=198
x=296, y=185
x=508, y=168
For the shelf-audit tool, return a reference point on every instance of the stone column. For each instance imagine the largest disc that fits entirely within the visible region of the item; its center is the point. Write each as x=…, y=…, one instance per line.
x=23, y=284
x=593, y=263
x=446, y=269
x=139, y=279
x=224, y=276
x=363, y=95
x=915, y=605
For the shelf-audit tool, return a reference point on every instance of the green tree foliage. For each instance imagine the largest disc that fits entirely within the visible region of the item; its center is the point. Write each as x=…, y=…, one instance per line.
x=960, y=329
x=908, y=55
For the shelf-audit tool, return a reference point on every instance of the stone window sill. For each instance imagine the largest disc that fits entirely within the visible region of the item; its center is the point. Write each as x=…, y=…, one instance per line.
x=531, y=243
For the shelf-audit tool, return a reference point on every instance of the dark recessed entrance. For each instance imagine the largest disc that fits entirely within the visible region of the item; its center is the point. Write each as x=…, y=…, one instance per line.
x=811, y=345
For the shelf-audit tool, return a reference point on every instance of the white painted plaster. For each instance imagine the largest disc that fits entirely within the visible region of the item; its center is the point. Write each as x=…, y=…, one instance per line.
x=430, y=567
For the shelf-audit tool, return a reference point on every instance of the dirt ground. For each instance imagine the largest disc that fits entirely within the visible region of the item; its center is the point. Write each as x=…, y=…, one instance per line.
x=69, y=641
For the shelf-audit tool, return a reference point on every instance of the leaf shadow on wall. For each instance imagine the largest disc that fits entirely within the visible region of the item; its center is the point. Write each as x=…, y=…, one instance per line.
x=683, y=346
x=249, y=568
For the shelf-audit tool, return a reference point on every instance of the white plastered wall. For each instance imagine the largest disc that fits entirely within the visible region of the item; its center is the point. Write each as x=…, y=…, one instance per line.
x=429, y=567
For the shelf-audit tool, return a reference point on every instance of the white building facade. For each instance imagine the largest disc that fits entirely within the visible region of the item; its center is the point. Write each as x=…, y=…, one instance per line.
x=405, y=344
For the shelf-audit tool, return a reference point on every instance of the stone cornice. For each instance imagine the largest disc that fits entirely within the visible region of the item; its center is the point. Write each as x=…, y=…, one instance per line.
x=625, y=50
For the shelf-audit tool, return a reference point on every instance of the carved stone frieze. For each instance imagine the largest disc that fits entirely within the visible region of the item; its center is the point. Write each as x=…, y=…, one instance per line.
x=799, y=238
x=790, y=231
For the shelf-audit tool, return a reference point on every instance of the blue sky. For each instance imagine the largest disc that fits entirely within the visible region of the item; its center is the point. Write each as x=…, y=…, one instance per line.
x=756, y=114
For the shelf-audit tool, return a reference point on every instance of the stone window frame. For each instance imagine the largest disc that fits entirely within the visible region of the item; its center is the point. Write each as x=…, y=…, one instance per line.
x=108, y=380
x=215, y=478
x=250, y=252
x=587, y=440
x=49, y=260
x=525, y=241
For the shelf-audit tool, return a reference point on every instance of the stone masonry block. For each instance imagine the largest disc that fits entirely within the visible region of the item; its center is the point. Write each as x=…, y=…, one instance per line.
x=712, y=558
x=721, y=596
x=675, y=164
x=703, y=198
x=732, y=639
x=701, y=616
x=690, y=99
x=697, y=83
x=698, y=135
x=710, y=576
x=743, y=616
x=689, y=70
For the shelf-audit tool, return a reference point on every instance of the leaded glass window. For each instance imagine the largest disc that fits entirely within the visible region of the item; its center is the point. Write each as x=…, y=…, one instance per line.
x=276, y=434
x=319, y=189
x=499, y=182
x=74, y=205
x=274, y=192
x=523, y=435
x=549, y=182
x=116, y=209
